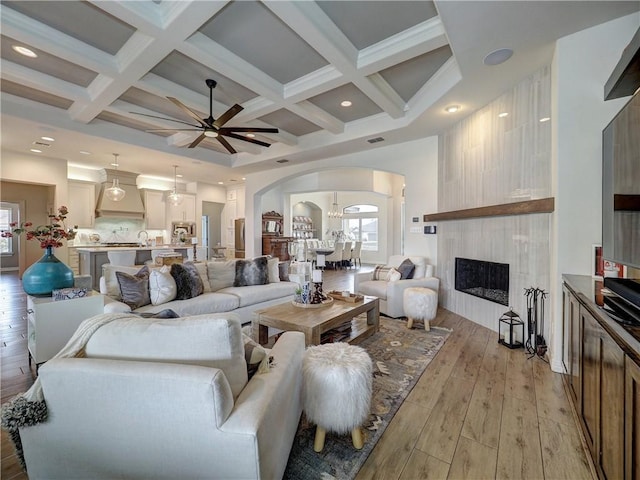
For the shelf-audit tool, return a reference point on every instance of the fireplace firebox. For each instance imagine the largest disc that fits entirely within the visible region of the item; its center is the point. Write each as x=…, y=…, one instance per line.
x=488, y=280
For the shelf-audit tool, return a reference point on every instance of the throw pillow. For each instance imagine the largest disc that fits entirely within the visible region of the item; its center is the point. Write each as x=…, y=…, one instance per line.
x=134, y=289
x=204, y=276
x=393, y=275
x=406, y=269
x=381, y=272
x=256, y=356
x=162, y=286
x=273, y=269
x=221, y=274
x=251, y=272
x=187, y=279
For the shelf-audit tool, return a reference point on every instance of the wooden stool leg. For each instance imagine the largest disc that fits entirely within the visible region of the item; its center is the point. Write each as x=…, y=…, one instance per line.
x=409, y=323
x=356, y=438
x=427, y=325
x=318, y=443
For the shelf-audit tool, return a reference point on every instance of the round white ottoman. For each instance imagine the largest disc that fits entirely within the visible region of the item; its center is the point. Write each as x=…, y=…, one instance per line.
x=420, y=304
x=336, y=390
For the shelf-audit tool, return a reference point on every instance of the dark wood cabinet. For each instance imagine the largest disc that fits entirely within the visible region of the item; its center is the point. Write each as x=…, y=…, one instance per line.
x=632, y=420
x=276, y=246
x=603, y=382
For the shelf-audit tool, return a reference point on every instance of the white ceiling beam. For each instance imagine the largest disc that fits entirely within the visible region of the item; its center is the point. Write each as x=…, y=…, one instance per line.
x=142, y=52
x=318, y=116
x=42, y=82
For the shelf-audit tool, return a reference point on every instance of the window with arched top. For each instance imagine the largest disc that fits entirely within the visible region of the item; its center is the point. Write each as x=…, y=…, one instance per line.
x=360, y=223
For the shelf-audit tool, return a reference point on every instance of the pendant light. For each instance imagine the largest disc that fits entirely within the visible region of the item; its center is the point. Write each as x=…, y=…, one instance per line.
x=114, y=192
x=335, y=212
x=174, y=197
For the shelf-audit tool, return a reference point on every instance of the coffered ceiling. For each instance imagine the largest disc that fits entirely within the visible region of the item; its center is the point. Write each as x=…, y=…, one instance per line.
x=289, y=64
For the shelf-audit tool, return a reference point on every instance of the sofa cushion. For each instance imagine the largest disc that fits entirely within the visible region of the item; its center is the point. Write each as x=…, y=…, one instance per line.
x=374, y=288
x=251, y=272
x=406, y=269
x=206, y=340
x=212, y=302
x=187, y=279
x=221, y=274
x=134, y=289
x=162, y=286
x=261, y=293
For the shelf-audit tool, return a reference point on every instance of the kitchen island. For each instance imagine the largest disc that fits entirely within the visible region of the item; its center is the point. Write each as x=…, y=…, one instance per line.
x=93, y=257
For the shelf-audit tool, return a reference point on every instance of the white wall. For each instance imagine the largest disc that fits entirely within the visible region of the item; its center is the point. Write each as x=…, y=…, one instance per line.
x=581, y=66
x=416, y=161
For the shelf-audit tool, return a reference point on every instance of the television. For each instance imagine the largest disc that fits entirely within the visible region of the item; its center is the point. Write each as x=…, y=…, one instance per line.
x=621, y=197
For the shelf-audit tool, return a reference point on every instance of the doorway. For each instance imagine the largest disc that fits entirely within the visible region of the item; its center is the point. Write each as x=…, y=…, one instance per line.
x=213, y=211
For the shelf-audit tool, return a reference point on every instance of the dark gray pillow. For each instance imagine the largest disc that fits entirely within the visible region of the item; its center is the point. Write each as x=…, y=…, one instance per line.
x=134, y=289
x=406, y=269
x=251, y=272
x=188, y=281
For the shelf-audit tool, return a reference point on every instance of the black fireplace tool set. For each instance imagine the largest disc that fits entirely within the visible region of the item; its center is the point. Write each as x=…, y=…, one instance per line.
x=535, y=343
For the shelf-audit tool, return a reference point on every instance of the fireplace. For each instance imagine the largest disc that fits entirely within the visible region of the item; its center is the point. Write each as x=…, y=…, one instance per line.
x=488, y=280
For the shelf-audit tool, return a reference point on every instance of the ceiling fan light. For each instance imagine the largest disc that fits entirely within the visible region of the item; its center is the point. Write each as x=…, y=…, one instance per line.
x=210, y=134
x=114, y=192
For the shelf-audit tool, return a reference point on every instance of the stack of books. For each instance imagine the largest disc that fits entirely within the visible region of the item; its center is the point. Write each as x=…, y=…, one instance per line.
x=337, y=334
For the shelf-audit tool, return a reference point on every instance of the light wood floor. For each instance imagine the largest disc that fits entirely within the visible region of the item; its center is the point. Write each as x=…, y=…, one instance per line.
x=479, y=411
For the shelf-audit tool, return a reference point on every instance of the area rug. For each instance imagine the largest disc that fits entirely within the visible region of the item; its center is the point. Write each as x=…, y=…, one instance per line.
x=399, y=357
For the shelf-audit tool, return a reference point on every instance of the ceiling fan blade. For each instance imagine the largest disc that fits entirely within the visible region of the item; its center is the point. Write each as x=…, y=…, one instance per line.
x=190, y=112
x=164, y=118
x=228, y=115
x=174, y=130
x=241, y=137
x=197, y=140
x=226, y=144
x=250, y=129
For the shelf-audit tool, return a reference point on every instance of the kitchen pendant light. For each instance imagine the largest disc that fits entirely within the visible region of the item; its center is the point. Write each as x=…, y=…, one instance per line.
x=335, y=212
x=114, y=192
x=174, y=197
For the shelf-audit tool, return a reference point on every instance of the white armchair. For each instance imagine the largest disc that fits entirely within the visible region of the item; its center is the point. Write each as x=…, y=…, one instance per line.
x=391, y=293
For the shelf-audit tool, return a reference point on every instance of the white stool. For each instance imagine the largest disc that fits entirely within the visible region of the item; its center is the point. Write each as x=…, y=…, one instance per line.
x=336, y=390
x=420, y=304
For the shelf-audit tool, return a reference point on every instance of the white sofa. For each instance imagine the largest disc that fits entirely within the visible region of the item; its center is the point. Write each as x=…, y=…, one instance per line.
x=391, y=293
x=126, y=412
x=222, y=297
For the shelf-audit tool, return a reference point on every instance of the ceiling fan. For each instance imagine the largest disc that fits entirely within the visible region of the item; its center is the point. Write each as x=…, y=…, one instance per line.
x=212, y=127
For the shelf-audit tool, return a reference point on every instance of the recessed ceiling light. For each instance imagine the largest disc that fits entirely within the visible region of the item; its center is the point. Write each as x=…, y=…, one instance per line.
x=503, y=114
x=35, y=150
x=84, y=152
x=244, y=178
x=452, y=108
x=115, y=164
x=498, y=56
x=24, y=51
x=251, y=135
x=346, y=103
x=179, y=175
x=544, y=119
x=48, y=139
x=220, y=183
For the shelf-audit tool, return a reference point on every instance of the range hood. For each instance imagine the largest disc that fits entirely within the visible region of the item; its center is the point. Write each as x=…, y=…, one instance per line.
x=130, y=206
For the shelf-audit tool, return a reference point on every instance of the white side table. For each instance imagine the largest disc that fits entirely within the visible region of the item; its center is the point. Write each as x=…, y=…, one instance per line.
x=52, y=323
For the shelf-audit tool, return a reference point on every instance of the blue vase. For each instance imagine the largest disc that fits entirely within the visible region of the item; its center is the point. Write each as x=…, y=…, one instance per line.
x=46, y=274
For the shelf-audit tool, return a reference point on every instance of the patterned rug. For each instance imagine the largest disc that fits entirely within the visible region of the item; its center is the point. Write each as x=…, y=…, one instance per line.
x=399, y=357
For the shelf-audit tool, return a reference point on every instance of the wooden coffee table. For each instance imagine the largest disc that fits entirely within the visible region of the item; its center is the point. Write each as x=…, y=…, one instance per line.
x=313, y=322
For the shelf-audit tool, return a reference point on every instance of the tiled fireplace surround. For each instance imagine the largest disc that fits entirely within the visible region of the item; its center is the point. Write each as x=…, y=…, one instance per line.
x=490, y=160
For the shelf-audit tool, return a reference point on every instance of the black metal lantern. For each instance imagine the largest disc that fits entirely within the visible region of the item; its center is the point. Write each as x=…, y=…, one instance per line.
x=511, y=330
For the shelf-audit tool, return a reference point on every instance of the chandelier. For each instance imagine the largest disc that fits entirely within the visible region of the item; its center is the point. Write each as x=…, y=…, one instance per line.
x=335, y=211
x=174, y=197
x=114, y=192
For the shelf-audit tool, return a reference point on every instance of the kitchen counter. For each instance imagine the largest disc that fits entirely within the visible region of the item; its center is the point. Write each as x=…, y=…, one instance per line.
x=106, y=248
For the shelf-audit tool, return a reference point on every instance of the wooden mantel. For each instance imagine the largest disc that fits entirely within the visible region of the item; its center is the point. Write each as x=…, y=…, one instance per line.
x=541, y=205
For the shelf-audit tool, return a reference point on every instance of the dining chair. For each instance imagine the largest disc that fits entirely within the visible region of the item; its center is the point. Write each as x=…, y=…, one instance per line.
x=355, y=254
x=336, y=256
x=346, y=255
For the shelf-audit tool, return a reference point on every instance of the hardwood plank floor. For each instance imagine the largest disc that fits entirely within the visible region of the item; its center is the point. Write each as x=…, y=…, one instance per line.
x=479, y=411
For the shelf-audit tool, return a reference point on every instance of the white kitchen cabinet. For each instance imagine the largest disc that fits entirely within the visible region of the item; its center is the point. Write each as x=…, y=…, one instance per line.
x=73, y=260
x=82, y=204
x=240, y=201
x=155, y=210
x=50, y=324
x=185, y=212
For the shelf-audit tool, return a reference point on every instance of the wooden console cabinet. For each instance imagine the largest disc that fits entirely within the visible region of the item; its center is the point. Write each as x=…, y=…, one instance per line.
x=603, y=378
x=272, y=242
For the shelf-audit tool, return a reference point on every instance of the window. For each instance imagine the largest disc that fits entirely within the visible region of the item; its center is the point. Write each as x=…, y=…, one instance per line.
x=6, y=217
x=360, y=222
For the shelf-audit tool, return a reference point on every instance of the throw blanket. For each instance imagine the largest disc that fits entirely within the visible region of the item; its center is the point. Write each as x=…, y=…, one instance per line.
x=29, y=408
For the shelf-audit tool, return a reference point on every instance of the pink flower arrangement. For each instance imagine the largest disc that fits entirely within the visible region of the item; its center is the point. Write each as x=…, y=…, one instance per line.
x=48, y=235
